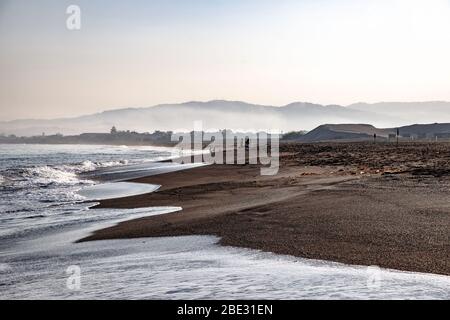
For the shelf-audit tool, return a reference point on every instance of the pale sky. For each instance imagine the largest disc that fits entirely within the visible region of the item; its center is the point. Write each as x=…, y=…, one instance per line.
x=140, y=53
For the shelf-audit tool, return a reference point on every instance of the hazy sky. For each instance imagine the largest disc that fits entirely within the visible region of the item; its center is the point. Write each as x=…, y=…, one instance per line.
x=141, y=53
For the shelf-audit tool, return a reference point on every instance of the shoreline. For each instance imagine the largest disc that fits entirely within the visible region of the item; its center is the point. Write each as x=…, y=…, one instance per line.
x=328, y=212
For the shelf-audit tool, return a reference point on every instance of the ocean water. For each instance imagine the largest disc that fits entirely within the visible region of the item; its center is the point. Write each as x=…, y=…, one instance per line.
x=45, y=196
x=39, y=183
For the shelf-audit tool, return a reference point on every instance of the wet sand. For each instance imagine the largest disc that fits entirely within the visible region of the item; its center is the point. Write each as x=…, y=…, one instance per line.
x=353, y=203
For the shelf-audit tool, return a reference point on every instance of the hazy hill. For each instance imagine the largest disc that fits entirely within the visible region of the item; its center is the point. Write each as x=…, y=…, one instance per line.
x=217, y=114
x=236, y=115
x=409, y=112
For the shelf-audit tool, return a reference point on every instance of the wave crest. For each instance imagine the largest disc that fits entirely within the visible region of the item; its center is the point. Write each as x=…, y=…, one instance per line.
x=60, y=174
x=89, y=165
x=49, y=175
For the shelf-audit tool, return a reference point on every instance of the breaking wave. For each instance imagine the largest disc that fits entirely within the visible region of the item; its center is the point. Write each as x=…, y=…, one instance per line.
x=49, y=175
x=88, y=165
x=60, y=174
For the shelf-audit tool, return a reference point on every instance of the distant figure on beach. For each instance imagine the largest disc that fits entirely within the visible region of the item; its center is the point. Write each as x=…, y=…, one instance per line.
x=374, y=137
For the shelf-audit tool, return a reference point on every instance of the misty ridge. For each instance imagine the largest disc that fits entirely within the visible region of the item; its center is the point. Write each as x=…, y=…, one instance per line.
x=236, y=115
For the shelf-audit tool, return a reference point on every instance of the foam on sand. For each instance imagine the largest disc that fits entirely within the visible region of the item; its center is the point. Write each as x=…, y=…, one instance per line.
x=116, y=190
x=195, y=267
x=135, y=171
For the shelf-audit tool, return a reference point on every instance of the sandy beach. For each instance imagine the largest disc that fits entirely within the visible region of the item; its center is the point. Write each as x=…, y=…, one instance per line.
x=356, y=203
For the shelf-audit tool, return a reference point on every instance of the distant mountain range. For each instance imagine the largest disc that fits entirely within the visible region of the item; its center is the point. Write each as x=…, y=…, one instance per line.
x=236, y=115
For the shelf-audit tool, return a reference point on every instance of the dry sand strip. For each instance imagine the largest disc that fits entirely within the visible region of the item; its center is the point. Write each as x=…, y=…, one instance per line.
x=311, y=212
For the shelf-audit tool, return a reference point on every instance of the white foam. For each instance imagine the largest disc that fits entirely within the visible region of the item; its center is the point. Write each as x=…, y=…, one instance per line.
x=192, y=267
x=68, y=174
x=87, y=166
x=116, y=190
x=47, y=174
x=195, y=267
x=4, y=267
